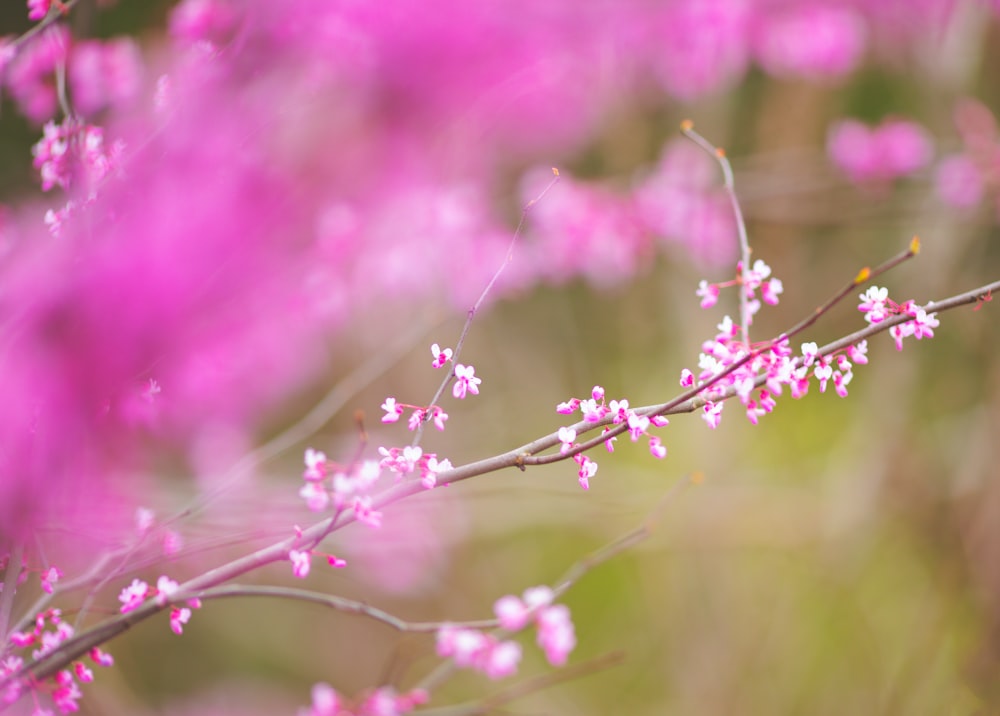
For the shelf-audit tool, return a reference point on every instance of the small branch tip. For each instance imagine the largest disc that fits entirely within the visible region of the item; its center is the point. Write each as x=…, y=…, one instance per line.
x=720, y=152
x=915, y=245
x=697, y=477
x=555, y=171
x=687, y=125
x=862, y=276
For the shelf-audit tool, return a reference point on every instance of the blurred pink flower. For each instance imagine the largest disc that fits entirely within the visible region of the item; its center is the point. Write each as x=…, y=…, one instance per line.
x=810, y=40
x=893, y=149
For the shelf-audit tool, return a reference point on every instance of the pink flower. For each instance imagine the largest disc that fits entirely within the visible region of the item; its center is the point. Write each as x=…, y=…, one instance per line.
x=166, y=588
x=687, y=378
x=588, y=468
x=301, y=562
x=465, y=381
x=325, y=702
x=133, y=595
x=82, y=672
x=770, y=290
x=50, y=577
x=893, y=149
x=566, y=437
x=101, y=658
x=959, y=182
x=709, y=293
x=440, y=356
x=365, y=514
x=439, y=417
x=712, y=414
x=656, y=447
x=392, y=410
x=873, y=304
x=178, y=618
x=811, y=40
x=502, y=660
x=38, y=9
x=568, y=407
x=923, y=324
x=555, y=633
x=511, y=612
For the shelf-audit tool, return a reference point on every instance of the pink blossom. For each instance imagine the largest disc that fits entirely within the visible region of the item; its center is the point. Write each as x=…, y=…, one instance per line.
x=712, y=414
x=104, y=73
x=325, y=702
x=301, y=562
x=811, y=40
x=166, y=588
x=392, y=410
x=568, y=407
x=315, y=495
x=203, y=21
x=38, y=9
x=50, y=577
x=365, y=514
x=770, y=290
x=703, y=45
x=179, y=616
x=873, y=304
x=687, y=378
x=637, y=425
x=588, y=468
x=566, y=437
x=959, y=181
x=893, y=149
x=82, y=672
x=709, y=293
x=511, y=612
x=923, y=324
x=101, y=658
x=465, y=381
x=133, y=595
x=502, y=660
x=441, y=356
x=439, y=417
x=656, y=447
x=30, y=73
x=858, y=352
x=555, y=633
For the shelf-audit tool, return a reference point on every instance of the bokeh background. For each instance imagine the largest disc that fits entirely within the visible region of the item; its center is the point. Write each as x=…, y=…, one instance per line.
x=328, y=190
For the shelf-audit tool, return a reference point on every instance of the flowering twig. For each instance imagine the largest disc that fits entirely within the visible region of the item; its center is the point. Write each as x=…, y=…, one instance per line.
x=687, y=129
x=479, y=302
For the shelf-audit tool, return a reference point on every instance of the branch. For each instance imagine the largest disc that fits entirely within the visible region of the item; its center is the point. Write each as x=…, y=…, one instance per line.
x=520, y=457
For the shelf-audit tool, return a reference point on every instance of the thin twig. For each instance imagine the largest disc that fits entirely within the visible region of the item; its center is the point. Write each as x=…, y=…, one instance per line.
x=687, y=129
x=418, y=435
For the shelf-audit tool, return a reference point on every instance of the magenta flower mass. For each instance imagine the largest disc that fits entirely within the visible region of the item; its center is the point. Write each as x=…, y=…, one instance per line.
x=239, y=212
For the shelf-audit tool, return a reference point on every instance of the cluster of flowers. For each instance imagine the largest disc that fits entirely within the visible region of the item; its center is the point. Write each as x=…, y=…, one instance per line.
x=762, y=372
x=877, y=306
x=473, y=649
x=138, y=591
x=594, y=410
x=49, y=632
x=756, y=277
x=381, y=702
